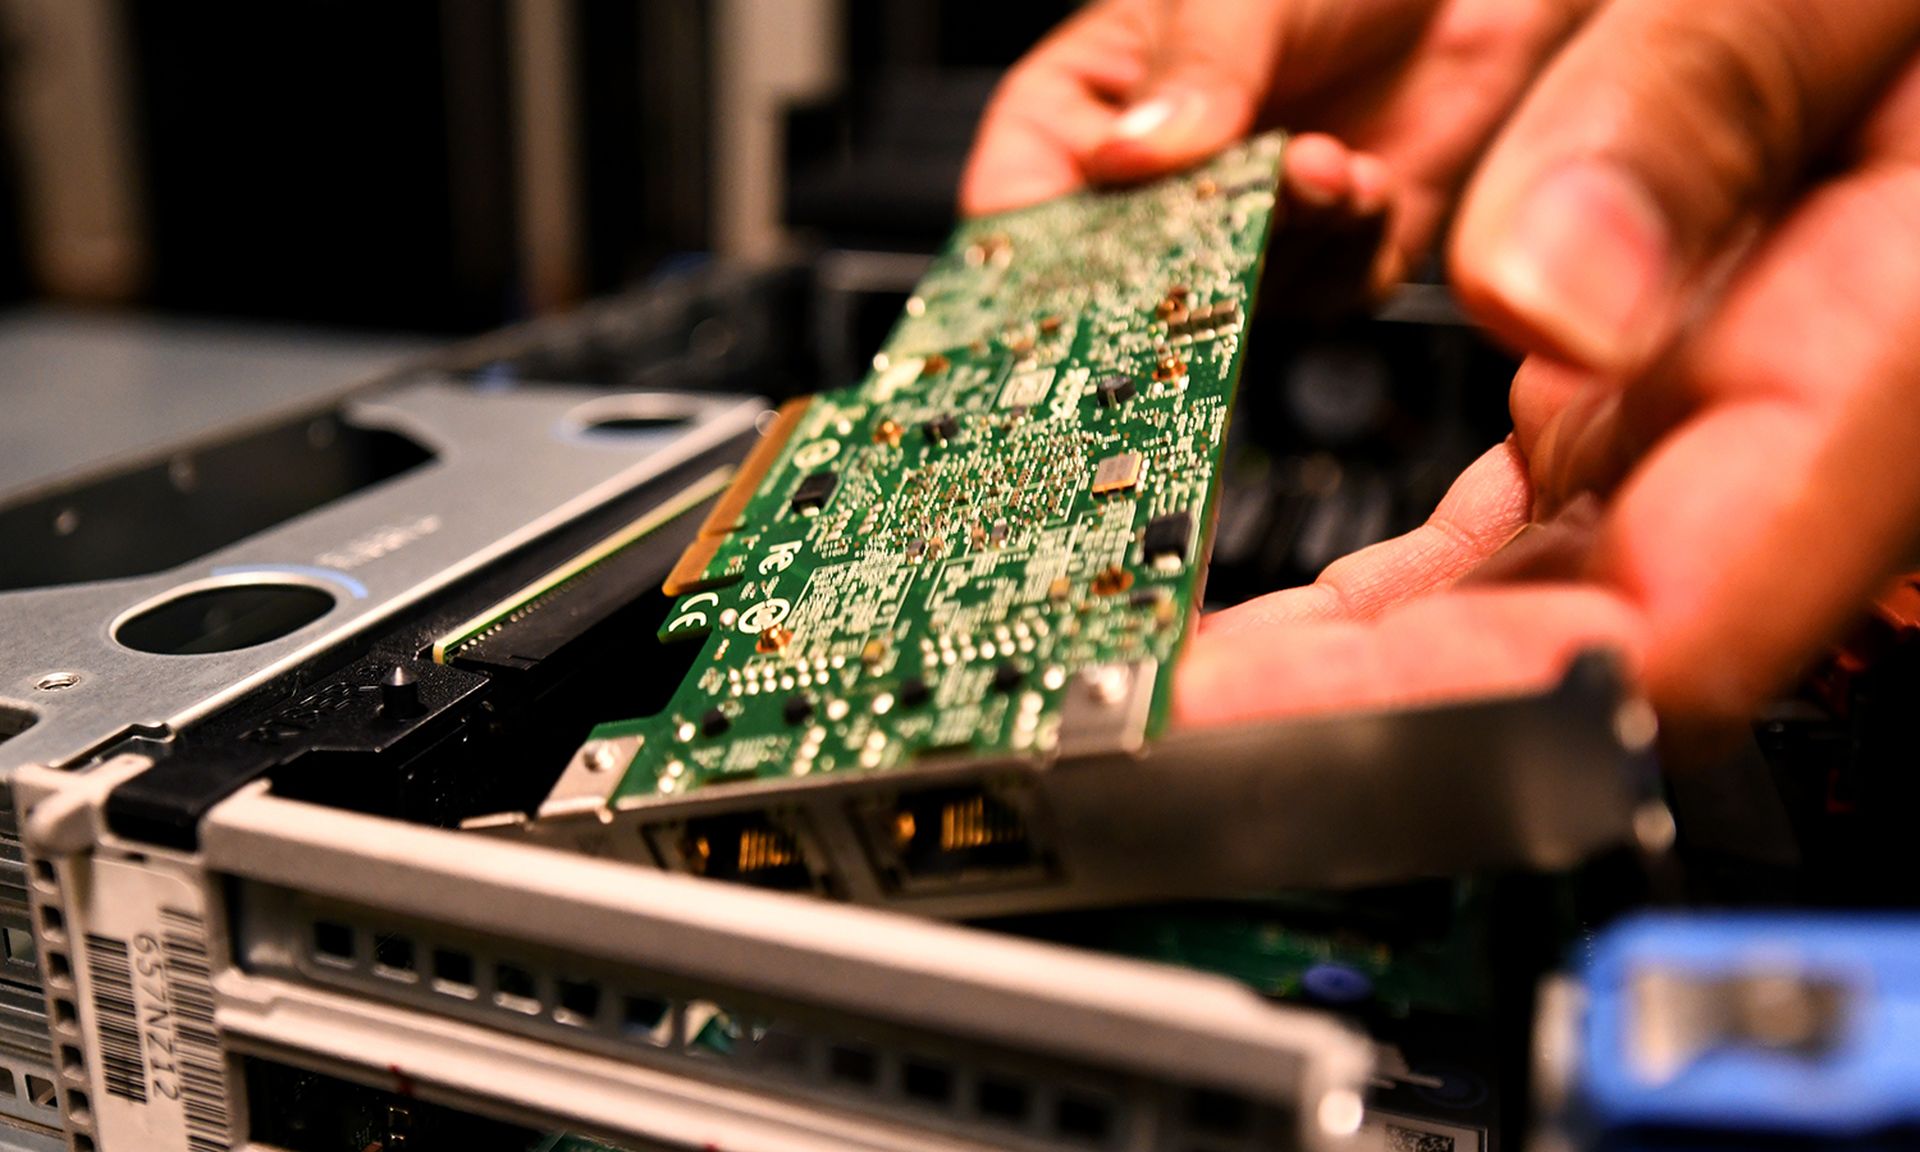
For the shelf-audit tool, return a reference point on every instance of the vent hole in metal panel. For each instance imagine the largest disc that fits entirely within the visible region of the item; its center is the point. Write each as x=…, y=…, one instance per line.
x=927, y=1082
x=1004, y=1100
x=578, y=1001
x=393, y=955
x=453, y=971
x=40, y=1091
x=14, y=721
x=1221, y=1113
x=853, y=1064
x=225, y=618
x=514, y=987
x=647, y=1018
x=332, y=942
x=145, y=520
x=1083, y=1118
x=631, y=414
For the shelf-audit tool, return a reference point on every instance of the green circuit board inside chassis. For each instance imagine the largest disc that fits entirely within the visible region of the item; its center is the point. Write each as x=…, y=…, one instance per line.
x=1012, y=508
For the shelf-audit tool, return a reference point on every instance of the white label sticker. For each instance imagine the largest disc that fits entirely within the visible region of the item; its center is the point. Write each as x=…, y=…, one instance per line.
x=159, y=1077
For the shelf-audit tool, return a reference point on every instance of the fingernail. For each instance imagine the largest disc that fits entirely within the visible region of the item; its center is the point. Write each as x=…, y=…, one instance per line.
x=1312, y=194
x=1170, y=107
x=1143, y=118
x=1318, y=171
x=1586, y=260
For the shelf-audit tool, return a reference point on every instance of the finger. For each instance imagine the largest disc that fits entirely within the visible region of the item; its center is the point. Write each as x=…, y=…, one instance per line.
x=1226, y=62
x=1479, y=514
x=1054, y=107
x=1372, y=184
x=1558, y=549
x=1215, y=63
x=1465, y=643
x=1542, y=389
x=1025, y=156
x=1649, y=146
x=1317, y=173
x=1431, y=109
x=1328, y=254
x=1376, y=199
x=1752, y=534
x=1570, y=423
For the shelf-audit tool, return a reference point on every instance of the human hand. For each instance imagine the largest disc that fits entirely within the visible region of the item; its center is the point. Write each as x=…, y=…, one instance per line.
x=1412, y=89
x=1703, y=224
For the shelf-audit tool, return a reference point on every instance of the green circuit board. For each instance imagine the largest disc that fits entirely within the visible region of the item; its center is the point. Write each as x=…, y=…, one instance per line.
x=1019, y=494
x=1420, y=948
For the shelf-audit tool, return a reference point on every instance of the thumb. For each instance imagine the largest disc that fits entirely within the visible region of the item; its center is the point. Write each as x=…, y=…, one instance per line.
x=1214, y=65
x=1646, y=153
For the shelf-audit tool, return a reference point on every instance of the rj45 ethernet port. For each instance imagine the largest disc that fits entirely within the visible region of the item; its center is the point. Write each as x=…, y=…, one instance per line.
x=747, y=847
x=953, y=836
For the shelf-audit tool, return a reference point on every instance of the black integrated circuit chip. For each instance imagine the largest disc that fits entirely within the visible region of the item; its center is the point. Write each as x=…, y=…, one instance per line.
x=1168, y=538
x=941, y=428
x=813, y=491
x=1115, y=390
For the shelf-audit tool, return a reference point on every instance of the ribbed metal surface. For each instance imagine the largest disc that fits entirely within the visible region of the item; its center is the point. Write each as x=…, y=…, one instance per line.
x=23, y=1009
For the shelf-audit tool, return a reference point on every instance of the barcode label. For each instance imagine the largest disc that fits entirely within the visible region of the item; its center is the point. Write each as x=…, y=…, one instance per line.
x=116, y=1021
x=1408, y=1140
x=203, y=1076
x=156, y=1058
x=1422, y=1134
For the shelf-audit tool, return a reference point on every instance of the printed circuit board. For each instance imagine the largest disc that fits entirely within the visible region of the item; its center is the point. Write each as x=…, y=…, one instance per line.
x=1013, y=507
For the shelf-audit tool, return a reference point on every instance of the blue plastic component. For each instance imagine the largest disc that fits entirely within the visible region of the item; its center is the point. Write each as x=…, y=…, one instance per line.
x=1864, y=1079
x=1332, y=983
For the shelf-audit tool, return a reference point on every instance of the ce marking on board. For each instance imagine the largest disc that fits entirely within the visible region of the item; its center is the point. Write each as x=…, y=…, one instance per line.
x=692, y=612
x=756, y=618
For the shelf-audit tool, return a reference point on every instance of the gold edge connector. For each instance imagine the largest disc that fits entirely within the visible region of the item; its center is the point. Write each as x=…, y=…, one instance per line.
x=690, y=572
x=679, y=504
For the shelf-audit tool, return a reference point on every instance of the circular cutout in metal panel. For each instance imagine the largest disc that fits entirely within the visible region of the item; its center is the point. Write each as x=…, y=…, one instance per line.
x=224, y=618
x=629, y=413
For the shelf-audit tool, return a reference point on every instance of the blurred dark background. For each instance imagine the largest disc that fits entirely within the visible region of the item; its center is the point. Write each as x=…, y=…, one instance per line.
x=448, y=166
